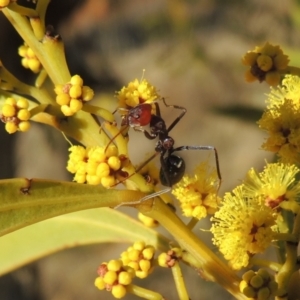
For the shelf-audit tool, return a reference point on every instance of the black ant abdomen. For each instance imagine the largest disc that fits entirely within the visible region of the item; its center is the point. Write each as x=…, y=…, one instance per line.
x=173, y=171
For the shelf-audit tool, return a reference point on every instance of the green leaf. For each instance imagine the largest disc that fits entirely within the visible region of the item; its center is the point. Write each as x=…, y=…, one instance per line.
x=100, y=225
x=24, y=202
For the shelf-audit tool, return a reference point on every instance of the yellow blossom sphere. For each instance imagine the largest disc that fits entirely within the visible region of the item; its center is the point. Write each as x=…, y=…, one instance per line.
x=75, y=91
x=34, y=65
x=99, y=283
x=24, y=126
x=66, y=110
x=63, y=99
x=76, y=80
x=114, y=162
x=22, y=51
x=124, y=278
x=110, y=277
x=22, y=103
x=11, y=101
x=114, y=265
x=102, y=170
x=8, y=110
x=108, y=181
x=23, y=114
x=75, y=105
x=118, y=291
x=87, y=93
x=4, y=3
x=11, y=127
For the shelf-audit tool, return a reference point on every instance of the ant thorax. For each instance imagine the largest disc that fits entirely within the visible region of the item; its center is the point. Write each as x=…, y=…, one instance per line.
x=164, y=144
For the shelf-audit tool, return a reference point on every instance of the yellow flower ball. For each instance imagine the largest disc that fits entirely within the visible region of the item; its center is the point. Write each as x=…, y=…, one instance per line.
x=114, y=265
x=22, y=51
x=24, y=126
x=34, y=65
x=11, y=127
x=110, y=277
x=76, y=80
x=23, y=114
x=24, y=62
x=103, y=170
x=99, y=283
x=124, y=278
x=75, y=105
x=114, y=162
x=108, y=181
x=22, y=103
x=87, y=93
x=63, y=99
x=66, y=110
x=75, y=91
x=8, y=110
x=11, y=101
x=118, y=291
x=4, y=3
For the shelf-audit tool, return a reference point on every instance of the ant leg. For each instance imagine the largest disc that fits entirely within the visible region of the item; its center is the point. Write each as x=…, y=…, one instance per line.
x=211, y=148
x=144, y=198
x=147, y=134
x=174, y=123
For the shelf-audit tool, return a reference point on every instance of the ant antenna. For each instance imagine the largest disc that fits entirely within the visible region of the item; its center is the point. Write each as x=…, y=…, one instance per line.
x=66, y=138
x=144, y=198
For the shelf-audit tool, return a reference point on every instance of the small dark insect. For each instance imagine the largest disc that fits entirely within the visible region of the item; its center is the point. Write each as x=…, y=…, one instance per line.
x=172, y=166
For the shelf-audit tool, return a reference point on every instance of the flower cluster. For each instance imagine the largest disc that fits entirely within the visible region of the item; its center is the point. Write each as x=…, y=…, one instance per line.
x=139, y=257
x=276, y=184
x=282, y=121
x=114, y=277
x=242, y=227
x=29, y=59
x=266, y=64
x=198, y=194
x=72, y=95
x=16, y=115
x=137, y=92
x=95, y=165
x=258, y=285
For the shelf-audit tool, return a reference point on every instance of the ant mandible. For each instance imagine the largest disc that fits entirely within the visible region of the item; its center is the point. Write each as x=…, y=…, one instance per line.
x=172, y=166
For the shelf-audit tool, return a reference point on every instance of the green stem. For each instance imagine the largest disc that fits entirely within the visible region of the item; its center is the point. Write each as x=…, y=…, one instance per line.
x=292, y=70
x=143, y=293
x=290, y=264
x=28, y=12
x=214, y=269
x=179, y=282
x=265, y=263
x=49, y=51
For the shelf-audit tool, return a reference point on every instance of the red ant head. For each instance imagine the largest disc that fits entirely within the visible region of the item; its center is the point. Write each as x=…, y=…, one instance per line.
x=139, y=115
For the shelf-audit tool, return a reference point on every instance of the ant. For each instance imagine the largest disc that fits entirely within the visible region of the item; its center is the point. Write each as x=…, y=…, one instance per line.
x=172, y=166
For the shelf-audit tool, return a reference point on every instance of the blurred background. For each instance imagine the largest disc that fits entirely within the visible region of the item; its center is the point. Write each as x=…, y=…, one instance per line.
x=191, y=51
